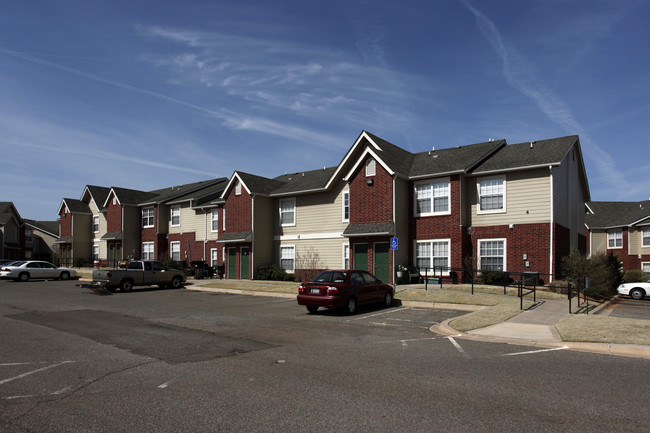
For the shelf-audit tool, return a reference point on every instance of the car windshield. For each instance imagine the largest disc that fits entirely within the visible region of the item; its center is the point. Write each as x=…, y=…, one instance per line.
x=14, y=264
x=330, y=277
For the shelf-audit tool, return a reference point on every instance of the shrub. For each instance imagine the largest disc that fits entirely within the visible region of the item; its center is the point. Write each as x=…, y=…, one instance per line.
x=559, y=286
x=604, y=274
x=272, y=273
x=495, y=277
x=172, y=264
x=635, y=276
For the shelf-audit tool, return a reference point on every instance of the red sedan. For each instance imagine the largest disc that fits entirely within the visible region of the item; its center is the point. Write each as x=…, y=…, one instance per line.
x=344, y=289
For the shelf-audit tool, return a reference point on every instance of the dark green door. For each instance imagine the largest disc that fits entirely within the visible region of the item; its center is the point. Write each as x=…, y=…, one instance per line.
x=382, y=261
x=244, y=263
x=361, y=257
x=232, y=263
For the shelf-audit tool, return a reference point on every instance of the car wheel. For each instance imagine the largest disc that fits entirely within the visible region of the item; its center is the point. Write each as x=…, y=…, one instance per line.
x=351, y=306
x=388, y=299
x=312, y=308
x=65, y=275
x=126, y=285
x=177, y=283
x=24, y=276
x=636, y=294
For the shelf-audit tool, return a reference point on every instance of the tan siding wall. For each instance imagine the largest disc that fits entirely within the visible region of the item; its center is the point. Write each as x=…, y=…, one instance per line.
x=598, y=242
x=527, y=200
x=329, y=252
x=190, y=221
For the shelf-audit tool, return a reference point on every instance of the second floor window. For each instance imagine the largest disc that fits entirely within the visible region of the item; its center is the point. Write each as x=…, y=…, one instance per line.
x=491, y=195
x=29, y=237
x=346, y=207
x=615, y=239
x=147, y=217
x=176, y=216
x=95, y=223
x=371, y=167
x=432, y=198
x=215, y=220
x=646, y=238
x=288, y=212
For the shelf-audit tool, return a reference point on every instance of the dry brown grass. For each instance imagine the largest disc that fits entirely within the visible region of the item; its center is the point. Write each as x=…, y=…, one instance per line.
x=604, y=329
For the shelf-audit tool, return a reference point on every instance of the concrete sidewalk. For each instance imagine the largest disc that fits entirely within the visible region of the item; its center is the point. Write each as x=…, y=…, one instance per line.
x=536, y=327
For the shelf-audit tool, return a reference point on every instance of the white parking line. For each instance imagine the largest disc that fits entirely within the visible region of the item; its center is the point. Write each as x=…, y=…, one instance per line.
x=379, y=314
x=20, y=376
x=457, y=346
x=536, y=351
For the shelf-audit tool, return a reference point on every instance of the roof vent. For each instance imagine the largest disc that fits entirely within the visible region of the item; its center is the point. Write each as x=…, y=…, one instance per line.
x=531, y=144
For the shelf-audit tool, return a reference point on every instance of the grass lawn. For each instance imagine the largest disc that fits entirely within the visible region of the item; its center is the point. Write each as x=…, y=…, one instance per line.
x=604, y=329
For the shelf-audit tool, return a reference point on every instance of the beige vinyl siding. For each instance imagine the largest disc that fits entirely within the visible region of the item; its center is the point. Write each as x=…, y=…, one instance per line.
x=82, y=236
x=636, y=241
x=190, y=221
x=263, y=245
x=598, y=241
x=527, y=199
x=103, y=228
x=569, y=196
x=316, y=213
x=328, y=253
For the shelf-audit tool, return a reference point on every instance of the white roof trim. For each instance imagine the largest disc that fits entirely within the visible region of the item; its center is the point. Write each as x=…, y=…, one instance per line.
x=231, y=184
x=348, y=155
x=362, y=159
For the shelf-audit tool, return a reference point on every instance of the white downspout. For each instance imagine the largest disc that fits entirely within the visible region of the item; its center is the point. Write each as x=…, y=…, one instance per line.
x=250, y=252
x=550, y=270
x=392, y=274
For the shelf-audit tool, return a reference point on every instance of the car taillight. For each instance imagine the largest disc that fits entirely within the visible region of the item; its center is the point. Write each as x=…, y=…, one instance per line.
x=109, y=275
x=301, y=289
x=332, y=291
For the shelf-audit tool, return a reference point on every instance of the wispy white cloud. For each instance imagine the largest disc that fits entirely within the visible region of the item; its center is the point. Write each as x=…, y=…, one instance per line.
x=519, y=73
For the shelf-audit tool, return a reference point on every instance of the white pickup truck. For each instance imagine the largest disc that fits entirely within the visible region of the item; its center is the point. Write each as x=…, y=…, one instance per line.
x=138, y=273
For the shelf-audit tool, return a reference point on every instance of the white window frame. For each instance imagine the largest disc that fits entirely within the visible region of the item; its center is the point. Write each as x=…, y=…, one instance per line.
x=292, y=212
x=645, y=236
x=346, y=256
x=148, y=220
x=29, y=236
x=95, y=223
x=431, y=256
x=238, y=188
x=431, y=195
x=175, y=210
x=346, y=206
x=371, y=167
x=175, y=247
x=615, y=239
x=214, y=221
x=480, y=257
x=503, y=188
x=287, y=248
x=148, y=251
x=95, y=253
x=214, y=256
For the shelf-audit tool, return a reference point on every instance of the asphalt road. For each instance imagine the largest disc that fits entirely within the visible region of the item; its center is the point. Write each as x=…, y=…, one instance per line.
x=187, y=361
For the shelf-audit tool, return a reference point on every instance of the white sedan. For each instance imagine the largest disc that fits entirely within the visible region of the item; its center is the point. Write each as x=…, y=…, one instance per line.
x=30, y=269
x=634, y=290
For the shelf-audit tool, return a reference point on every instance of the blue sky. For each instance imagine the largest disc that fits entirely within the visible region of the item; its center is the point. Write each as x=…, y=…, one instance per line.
x=149, y=94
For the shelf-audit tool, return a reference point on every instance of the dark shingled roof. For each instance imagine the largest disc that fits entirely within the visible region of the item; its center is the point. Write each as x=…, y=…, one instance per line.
x=453, y=159
x=610, y=214
x=369, y=229
x=398, y=159
x=303, y=181
x=236, y=237
x=185, y=192
x=132, y=196
x=77, y=206
x=259, y=184
x=45, y=226
x=99, y=194
x=522, y=155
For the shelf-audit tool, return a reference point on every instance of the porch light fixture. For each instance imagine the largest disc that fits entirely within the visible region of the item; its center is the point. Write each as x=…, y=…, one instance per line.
x=369, y=182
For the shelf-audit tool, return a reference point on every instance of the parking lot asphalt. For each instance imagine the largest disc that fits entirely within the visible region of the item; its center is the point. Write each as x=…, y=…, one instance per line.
x=534, y=327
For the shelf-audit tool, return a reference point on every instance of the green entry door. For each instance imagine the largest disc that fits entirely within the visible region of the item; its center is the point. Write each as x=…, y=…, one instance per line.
x=361, y=257
x=382, y=261
x=244, y=263
x=232, y=263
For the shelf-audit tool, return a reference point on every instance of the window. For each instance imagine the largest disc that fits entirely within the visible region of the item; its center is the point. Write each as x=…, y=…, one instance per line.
x=215, y=220
x=214, y=257
x=176, y=216
x=491, y=195
x=147, y=251
x=287, y=258
x=238, y=188
x=175, y=248
x=346, y=206
x=147, y=217
x=645, y=266
x=646, y=238
x=29, y=236
x=430, y=254
x=615, y=239
x=432, y=198
x=346, y=256
x=371, y=167
x=95, y=253
x=95, y=223
x=492, y=254
x=288, y=212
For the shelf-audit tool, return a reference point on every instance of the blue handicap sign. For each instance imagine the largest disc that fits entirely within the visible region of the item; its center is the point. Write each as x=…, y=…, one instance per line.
x=393, y=243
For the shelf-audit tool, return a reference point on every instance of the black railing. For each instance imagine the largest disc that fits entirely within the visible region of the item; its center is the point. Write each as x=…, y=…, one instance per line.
x=574, y=290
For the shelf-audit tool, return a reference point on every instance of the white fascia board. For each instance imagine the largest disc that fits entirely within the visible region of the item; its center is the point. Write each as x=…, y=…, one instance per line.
x=508, y=170
x=108, y=197
x=63, y=203
x=348, y=155
x=435, y=175
x=362, y=158
x=231, y=183
x=639, y=221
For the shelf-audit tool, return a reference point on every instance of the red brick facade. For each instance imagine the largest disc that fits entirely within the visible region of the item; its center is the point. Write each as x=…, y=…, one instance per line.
x=371, y=203
x=65, y=226
x=114, y=216
x=239, y=212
